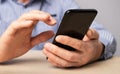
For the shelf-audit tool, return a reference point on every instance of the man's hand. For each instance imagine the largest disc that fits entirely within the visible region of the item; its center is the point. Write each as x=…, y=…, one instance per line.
x=17, y=39
x=87, y=50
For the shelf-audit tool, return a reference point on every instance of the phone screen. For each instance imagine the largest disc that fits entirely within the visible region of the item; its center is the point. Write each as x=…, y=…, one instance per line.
x=75, y=23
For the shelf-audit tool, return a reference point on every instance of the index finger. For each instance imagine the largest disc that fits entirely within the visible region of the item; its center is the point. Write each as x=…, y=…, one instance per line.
x=41, y=16
x=72, y=42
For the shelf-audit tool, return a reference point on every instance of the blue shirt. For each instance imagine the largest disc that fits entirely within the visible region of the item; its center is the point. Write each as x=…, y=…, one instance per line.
x=11, y=10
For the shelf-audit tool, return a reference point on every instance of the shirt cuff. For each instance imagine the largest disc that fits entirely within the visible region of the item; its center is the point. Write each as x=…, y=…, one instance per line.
x=109, y=49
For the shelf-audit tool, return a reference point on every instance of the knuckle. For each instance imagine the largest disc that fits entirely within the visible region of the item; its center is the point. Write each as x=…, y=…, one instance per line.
x=81, y=46
x=46, y=16
x=54, y=50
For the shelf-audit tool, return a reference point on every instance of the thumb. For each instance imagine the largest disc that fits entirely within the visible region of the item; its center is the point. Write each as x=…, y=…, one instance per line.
x=42, y=37
x=91, y=35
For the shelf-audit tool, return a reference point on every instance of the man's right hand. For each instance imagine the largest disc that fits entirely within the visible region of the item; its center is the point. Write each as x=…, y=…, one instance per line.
x=17, y=40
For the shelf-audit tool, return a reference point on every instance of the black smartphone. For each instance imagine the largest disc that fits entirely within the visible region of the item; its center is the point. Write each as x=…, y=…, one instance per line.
x=75, y=23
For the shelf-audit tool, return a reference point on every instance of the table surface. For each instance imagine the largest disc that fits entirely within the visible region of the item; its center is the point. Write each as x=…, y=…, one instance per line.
x=34, y=62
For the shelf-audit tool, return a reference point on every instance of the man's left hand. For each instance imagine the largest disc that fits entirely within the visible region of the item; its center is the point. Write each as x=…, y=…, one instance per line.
x=87, y=50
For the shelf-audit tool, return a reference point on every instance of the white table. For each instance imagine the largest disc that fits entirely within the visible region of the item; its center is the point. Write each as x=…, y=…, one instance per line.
x=34, y=62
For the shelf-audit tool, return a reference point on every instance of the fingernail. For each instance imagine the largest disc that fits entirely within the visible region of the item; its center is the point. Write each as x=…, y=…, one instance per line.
x=53, y=22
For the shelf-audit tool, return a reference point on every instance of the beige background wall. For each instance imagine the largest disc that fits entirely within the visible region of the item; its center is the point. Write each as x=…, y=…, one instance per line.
x=109, y=15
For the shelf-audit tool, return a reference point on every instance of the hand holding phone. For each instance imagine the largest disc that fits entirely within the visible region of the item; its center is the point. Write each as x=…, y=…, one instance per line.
x=75, y=23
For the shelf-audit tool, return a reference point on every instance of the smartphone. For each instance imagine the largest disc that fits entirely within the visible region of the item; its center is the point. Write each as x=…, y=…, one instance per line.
x=75, y=23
